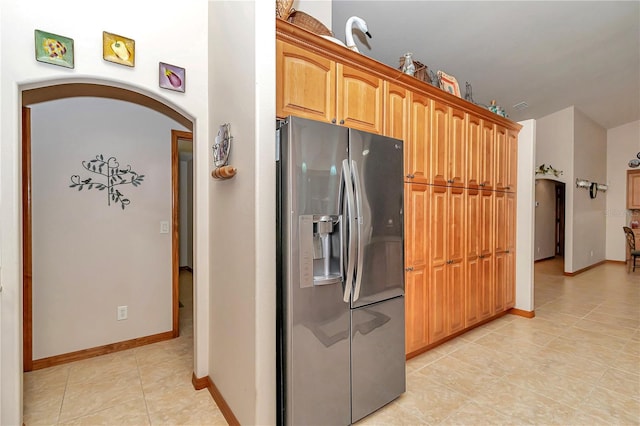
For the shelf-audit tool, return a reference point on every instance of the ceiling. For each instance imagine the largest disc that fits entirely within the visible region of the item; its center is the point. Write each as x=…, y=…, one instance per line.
x=551, y=55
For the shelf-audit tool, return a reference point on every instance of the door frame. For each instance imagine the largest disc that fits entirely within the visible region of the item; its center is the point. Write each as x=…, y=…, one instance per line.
x=74, y=90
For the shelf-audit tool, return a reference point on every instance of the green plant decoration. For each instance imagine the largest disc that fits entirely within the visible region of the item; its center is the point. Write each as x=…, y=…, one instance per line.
x=114, y=176
x=544, y=169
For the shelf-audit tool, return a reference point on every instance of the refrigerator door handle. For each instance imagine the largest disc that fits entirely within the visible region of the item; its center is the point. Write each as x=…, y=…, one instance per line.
x=346, y=172
x=359, y=223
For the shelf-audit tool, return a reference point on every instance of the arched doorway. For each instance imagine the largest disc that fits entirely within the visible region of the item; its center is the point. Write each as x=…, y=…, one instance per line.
x=84, y=90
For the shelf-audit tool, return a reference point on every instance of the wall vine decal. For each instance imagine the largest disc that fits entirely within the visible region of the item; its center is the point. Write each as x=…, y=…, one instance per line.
x=114, y=175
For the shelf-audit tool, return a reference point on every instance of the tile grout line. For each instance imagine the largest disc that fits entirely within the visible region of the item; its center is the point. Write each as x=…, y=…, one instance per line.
x=144, y=396
x=64, y=394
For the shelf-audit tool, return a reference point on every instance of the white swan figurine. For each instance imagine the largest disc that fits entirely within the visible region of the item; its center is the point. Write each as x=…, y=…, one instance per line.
x=348, y=30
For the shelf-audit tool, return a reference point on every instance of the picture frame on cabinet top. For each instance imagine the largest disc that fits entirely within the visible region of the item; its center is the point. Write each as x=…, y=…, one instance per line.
x=448, y=83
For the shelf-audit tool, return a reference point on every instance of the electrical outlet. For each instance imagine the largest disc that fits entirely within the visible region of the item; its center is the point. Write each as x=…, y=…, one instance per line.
x=122, y=313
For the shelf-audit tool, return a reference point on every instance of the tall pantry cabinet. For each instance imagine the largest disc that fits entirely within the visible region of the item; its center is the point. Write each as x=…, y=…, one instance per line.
x=460, y=178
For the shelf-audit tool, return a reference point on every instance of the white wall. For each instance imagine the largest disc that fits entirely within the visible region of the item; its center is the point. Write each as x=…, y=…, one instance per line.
x=319, y=9
x=589, y=226
x=89, y=257
x=623, y=143
x=242, y=352
x=525, y=213
x=545, y=219
x=164, y=32
x=554, y=145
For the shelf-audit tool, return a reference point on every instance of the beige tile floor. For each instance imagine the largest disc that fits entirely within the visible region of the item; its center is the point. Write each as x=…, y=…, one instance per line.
x=149, y=385
x=576, y=363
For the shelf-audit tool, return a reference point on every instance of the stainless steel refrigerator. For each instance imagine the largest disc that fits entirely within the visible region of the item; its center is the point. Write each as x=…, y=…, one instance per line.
x=340, y=273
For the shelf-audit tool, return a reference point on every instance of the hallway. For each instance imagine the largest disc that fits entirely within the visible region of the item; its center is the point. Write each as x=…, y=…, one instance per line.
x=149, y=385
x=576, y=363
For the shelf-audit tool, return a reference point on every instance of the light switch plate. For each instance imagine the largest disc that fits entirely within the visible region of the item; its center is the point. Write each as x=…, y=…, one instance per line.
x=164, y=227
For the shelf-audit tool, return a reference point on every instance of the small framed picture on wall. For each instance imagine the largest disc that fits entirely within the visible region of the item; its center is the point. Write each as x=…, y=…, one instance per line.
x=171, y=77
x=118, y=49
x=54, y=49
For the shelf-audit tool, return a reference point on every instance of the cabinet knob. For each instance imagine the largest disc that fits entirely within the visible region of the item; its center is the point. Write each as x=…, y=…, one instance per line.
x=506, y=251
x=333, y=120
x=408, y=269
x=450, y=180
x=507, y=187
x=341, y=121
x=483, y=184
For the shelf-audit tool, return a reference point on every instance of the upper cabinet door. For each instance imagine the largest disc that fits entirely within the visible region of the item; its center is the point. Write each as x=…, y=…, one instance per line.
x=487, y=149
x=360, y=97
x=417, y=159
x=439, y=143
x=456, y=148
x=512, y=161
x=306, y=84
x=502, y=158
x=473, y=151
x=396, y=111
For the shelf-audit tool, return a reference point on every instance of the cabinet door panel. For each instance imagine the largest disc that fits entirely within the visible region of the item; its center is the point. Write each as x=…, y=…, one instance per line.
x=438, y=306
x=487, y=149
x=359, y=99
x=416, y=309
x=306, y=84
x=456, y=148
x=501, y=158
x=485, y=287
x=396, y=113
x=417, y=225
x=473, y=152
x=438, y=143
x=512, y=161
x=510, y=272
x=418, y=160
x=500, y=226
x=472, y=253
x=455, y=293
x=499, y=282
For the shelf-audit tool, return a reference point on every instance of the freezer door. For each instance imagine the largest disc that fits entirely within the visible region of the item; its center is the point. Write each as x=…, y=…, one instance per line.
x=315, y=319
x=377, y=164
x=377, y=356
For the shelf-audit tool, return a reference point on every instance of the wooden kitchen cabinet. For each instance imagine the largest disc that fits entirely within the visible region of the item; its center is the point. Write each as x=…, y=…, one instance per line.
x=448, y=136
x=360, y=98
x=501, y=158
x=633, y=191
x=306, y=83
x=473, y=275
x=487, y=259
x=487, y=160
x=504, y=234
x=396, y=112
x=473, y=152
x=512, y=161
x=446, y=253
x=417, y=150
x=416, y=266
x=315, y=87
